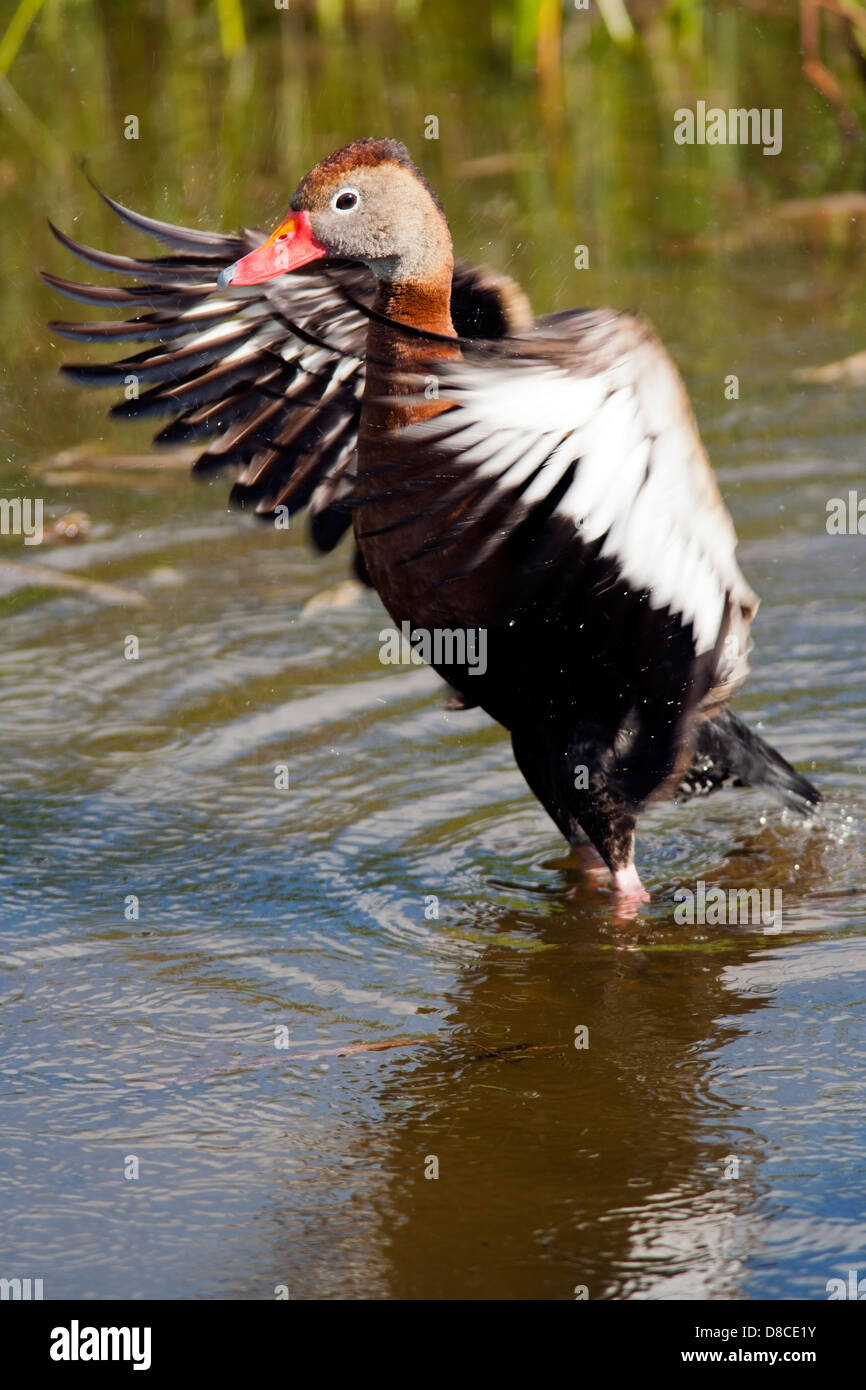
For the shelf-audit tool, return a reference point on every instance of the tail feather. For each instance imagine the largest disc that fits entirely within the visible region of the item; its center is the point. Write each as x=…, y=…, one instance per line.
x=730, y=754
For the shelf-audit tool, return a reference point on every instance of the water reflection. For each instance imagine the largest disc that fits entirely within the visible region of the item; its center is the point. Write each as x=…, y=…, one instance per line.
x=559, y=1167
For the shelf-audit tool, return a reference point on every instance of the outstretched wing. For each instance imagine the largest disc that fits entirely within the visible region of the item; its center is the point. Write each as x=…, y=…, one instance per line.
x=269, y=378
x=575, y=448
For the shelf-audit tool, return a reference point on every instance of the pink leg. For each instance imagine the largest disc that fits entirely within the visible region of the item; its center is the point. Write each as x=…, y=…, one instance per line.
x=627, y=884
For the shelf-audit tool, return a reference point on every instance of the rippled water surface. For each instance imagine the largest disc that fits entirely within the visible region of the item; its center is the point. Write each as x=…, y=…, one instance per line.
x=287, y=1035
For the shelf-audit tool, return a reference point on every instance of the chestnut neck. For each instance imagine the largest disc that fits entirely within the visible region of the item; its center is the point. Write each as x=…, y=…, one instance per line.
x=424, y=304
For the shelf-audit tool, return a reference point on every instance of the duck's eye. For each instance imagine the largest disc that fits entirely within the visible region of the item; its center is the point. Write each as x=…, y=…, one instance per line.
x=345, y=200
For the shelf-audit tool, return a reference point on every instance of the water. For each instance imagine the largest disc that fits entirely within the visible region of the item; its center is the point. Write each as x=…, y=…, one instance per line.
x=286, y=1036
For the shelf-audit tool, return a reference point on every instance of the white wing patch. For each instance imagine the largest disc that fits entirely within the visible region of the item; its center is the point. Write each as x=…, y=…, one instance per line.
x=642, y=484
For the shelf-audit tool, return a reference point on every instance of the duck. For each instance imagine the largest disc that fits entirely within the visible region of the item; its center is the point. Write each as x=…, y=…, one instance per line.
x=540, y=481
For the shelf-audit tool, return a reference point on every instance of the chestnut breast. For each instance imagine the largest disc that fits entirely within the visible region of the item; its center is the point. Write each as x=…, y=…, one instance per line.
x=420, y=551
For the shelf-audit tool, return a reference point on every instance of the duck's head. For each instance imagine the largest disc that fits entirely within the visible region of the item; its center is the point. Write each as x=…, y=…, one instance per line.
x=366, y=202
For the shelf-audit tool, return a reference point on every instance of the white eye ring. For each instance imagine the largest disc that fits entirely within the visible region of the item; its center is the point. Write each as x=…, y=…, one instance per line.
x=342, y=193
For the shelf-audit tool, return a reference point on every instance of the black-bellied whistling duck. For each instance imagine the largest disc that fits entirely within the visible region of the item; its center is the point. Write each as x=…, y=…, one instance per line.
x=541, y=480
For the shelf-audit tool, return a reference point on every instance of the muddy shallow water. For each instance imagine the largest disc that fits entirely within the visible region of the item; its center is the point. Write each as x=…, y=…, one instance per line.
x=287, y=1035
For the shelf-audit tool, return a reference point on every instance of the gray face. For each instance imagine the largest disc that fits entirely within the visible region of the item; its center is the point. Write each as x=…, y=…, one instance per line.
x=382, y=216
